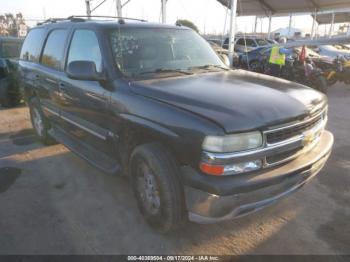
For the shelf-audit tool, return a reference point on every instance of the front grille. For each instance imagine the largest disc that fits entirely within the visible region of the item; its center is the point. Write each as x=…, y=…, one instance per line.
x=293, y=131
x=282, y=156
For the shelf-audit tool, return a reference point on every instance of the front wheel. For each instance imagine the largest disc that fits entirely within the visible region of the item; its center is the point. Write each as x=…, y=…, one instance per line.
x=157, y=187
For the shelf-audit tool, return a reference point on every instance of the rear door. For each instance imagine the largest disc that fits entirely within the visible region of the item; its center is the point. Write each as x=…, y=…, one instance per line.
x=29, y=60
x=85, y=108
x=51, y=70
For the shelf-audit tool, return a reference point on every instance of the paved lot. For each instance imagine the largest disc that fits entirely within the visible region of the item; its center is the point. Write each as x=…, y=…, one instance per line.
x=52, y=202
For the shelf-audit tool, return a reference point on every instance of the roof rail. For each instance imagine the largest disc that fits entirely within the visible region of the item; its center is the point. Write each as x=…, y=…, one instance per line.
x=55, y=20
x=120, y=19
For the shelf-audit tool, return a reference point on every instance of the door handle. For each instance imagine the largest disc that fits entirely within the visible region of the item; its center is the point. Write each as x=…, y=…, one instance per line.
x=51, y=80
x=62, y=87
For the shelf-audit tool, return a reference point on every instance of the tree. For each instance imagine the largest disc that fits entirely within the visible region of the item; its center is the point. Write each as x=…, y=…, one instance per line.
x=187, y=23
x=10, y=24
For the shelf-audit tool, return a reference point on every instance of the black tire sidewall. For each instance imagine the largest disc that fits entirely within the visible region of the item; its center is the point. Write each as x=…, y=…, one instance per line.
x=171, y=213
x=156, y=219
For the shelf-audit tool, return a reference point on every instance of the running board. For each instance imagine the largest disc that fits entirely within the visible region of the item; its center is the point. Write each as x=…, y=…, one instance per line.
x=87, y=152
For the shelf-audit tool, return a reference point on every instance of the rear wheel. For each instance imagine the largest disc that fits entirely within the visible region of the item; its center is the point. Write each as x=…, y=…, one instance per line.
x=157, y=187
x=40, y=124
x=11, y=99
x=255, y=66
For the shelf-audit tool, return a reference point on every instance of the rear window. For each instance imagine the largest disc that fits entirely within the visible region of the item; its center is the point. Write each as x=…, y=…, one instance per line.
x=32, y=45
x=54, y=48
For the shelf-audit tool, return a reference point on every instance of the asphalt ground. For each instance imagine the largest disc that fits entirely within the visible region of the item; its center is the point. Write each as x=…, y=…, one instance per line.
x=53, y=202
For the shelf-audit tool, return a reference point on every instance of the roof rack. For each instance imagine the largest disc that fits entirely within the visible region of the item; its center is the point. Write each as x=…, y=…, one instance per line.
x=120, y=19
x=83, y=18
x=55, y=20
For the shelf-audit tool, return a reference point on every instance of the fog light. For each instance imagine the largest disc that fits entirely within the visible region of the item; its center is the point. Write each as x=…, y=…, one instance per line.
x=242, y=167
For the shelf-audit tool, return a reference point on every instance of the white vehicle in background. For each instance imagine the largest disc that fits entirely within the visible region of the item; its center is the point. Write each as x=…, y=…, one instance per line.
x=333, y=51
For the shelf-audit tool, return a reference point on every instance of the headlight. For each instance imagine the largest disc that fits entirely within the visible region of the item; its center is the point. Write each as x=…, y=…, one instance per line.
x=232, y=143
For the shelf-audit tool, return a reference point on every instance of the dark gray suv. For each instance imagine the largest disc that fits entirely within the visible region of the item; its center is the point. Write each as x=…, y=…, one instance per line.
x=154, y=102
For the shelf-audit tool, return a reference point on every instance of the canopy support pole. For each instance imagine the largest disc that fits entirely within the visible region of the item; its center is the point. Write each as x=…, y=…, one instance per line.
x=119, y=8
x=314, y=25
x=332, y=25
x=88, y=8
x=231, y=36
x=164, y=11
x=255, y=24
x=290, y=24
x=269, y=31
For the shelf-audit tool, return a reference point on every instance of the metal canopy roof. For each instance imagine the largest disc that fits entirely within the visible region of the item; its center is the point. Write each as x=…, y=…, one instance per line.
x=283, y=7
x=339, y=17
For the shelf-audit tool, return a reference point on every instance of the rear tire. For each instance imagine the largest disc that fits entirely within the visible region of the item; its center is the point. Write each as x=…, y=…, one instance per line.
x=40, y=123
x=255, y=66
x=12, y=99
x=157, y=187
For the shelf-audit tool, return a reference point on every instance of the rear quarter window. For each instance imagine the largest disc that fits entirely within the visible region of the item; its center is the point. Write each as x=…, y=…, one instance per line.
x=32, y=45
x=10, y=49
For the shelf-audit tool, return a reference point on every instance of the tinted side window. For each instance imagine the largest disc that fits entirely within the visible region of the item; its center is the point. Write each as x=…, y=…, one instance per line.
x=54, y=48
x=240, y=41
x=84, y=46
x=32, y=45
x=250, y=42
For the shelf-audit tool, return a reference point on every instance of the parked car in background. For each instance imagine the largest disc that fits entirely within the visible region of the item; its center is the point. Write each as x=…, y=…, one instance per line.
x=10, y=94
x=254, y=60
x=198, y=140
x=257, y=60
x=223, y=53
x=332, y=51
x=244, y=44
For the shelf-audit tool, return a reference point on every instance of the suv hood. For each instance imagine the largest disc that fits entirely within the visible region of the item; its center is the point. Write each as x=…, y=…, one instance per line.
x=237, y=100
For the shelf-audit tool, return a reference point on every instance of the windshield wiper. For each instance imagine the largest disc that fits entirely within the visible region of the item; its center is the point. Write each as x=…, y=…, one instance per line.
x=209, y=67
x=165, y=70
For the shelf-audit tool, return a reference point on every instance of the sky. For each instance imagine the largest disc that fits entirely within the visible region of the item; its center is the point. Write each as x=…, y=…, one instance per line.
x=208, y=15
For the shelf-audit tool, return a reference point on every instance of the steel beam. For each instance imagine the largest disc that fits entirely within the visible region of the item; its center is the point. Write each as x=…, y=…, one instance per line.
x=164, y=11
x=331, y=29
x=269, y=30
x=88, y=8
x=256, y=24
x=119, y=8
x=314, y=24
x=290, y=24
x=231, y=36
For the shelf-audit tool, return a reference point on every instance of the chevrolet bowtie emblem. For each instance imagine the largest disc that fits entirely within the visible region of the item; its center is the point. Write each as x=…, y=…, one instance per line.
x=309, y=137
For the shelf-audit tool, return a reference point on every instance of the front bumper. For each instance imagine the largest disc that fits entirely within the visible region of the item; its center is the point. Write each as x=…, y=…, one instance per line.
x=212, y=199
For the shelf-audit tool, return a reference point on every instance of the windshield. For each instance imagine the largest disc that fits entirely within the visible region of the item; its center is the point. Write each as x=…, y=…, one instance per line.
x=138, y=51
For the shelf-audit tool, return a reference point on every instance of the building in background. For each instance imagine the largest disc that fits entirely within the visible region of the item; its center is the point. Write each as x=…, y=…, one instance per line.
x=289, y=33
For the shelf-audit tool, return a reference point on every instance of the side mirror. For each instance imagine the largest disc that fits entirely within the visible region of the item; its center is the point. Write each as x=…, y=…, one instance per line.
x=225, y=59
x=84, y=70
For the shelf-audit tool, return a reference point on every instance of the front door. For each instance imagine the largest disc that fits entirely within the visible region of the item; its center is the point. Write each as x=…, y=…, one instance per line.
x=84, y=104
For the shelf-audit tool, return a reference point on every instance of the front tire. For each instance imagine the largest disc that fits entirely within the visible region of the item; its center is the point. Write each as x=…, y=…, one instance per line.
x=39, y=122
x=157, y=187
